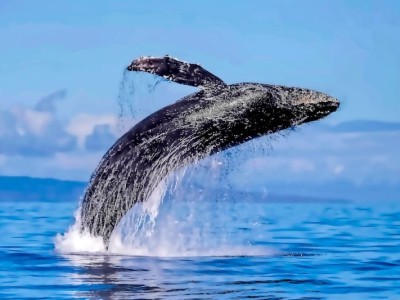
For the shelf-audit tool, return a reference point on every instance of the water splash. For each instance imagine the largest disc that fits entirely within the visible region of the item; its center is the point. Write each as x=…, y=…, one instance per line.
x=125, y=99
x=138, y=225
x=191, y=213
x=193, y=219
x=135, y=92
x=75, y=241
x=198, y=216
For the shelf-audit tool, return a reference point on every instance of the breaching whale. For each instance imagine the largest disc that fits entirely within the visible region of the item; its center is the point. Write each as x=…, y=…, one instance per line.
x=217, y=117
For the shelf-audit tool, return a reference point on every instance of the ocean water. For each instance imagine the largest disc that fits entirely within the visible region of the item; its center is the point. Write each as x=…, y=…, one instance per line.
x=211, y=250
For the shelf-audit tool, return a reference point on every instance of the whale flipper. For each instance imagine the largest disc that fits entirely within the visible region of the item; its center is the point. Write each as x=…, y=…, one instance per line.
x=177, y=71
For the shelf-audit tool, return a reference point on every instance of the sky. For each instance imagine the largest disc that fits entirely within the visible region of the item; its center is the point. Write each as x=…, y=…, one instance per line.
x=62, y=63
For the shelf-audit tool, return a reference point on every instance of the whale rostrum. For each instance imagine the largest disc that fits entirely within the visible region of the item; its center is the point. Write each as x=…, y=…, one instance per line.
x=217, y=117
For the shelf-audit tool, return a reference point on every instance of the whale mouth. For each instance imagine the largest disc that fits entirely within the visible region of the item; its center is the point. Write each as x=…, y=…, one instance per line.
x=330, y=107
x=323, y=109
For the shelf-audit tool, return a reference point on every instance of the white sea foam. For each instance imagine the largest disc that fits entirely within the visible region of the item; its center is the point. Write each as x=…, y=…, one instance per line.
x=75, y=241
x=185, y=225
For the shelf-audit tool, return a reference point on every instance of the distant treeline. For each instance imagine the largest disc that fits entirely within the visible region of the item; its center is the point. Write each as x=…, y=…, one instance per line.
x=53, y=190
x=38, y=189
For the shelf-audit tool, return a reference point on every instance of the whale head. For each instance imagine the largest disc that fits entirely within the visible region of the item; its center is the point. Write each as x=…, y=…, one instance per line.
x=245, y=111
x=296, y=105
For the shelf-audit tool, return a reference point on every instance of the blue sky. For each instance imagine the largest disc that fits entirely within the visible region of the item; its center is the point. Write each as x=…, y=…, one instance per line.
x=76, y=52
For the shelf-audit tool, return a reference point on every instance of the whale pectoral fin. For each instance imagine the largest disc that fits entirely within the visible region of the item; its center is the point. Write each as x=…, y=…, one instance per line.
x=177, y=71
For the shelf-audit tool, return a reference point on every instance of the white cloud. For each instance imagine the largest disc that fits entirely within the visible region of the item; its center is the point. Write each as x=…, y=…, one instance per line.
x=301, y=165
x=38, y=131
x=83, y=125
x=31, y=121
x=34, y=141
x=318, y=154
x=33, y=131
x=3, y=159
x=338, y=169
x=33, y=137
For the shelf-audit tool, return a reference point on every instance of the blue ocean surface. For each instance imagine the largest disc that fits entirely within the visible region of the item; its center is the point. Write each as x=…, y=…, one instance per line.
x=273, y=251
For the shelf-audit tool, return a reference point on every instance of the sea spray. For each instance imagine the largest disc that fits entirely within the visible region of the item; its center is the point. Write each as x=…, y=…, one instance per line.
x=136, y=91
x=129, y=237
x=196, y=214
x=125, y=99
x=76, y=241
x=193, y=212
x=195, y=219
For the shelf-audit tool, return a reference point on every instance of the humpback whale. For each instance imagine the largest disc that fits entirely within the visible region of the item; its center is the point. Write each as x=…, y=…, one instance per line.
x=217, y=117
